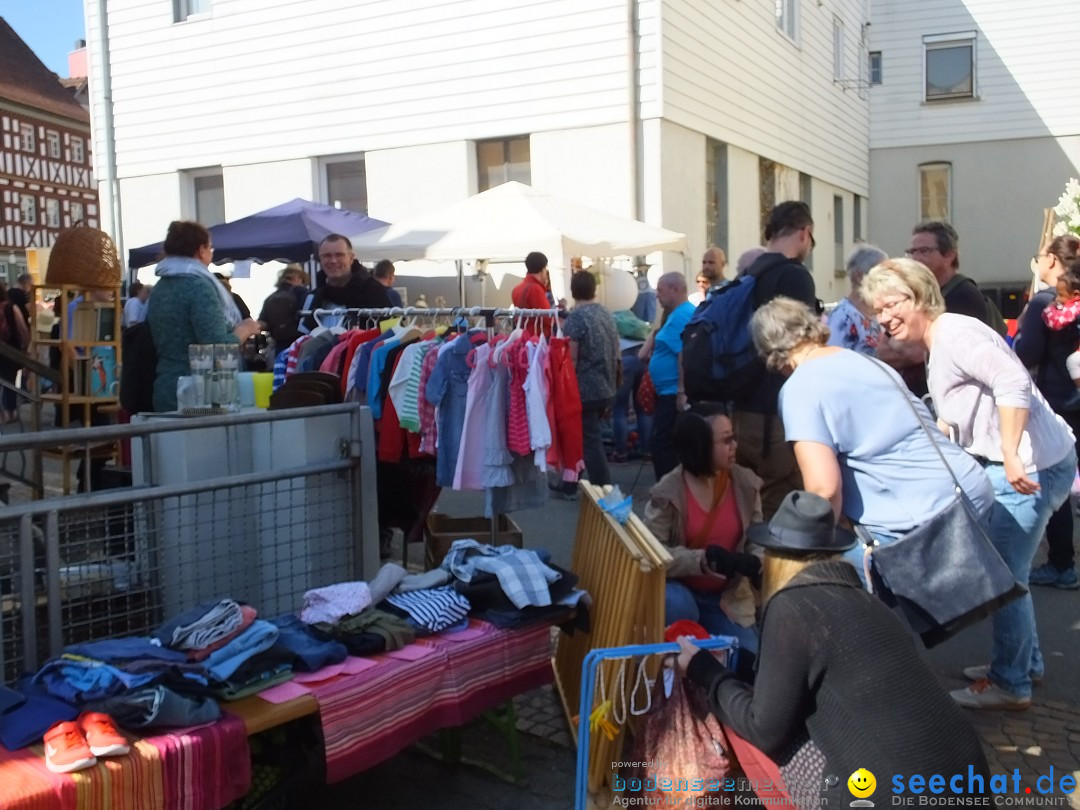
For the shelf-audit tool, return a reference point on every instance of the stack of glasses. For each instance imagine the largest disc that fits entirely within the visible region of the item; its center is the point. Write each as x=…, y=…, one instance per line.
x=212, y=383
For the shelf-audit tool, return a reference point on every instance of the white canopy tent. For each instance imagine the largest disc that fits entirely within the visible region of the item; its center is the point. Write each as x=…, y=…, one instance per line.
x=506, y=223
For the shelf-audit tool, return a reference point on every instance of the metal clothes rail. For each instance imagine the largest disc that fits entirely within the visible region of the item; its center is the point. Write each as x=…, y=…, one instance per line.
x=489, y=314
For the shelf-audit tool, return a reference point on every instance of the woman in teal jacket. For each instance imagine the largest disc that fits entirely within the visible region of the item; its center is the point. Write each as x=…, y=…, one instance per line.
x=188, y=306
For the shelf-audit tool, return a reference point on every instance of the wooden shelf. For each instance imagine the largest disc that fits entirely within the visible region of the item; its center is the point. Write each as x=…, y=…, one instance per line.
x=75, y=356
x=78, y=344
x=79, y=399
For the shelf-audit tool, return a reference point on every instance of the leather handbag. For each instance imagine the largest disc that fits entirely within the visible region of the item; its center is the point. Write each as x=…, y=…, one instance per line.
x=944, y=574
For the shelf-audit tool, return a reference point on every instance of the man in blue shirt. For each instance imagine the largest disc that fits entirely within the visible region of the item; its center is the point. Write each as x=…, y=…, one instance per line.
x=662, y=350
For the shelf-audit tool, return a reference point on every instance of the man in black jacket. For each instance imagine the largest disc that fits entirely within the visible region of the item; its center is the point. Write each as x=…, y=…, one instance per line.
x=343, y=288
x=789, y=237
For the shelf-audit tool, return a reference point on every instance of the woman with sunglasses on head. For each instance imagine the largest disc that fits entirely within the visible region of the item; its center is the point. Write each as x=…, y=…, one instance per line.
x=857, y=442
x=986, y=399
x=700, y=510
x=1046, y=351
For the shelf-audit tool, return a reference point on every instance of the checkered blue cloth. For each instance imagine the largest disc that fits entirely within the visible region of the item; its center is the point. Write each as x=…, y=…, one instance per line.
x=522, y=575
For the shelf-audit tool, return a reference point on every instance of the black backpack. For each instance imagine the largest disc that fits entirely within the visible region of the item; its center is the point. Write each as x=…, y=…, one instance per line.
x=139, y=368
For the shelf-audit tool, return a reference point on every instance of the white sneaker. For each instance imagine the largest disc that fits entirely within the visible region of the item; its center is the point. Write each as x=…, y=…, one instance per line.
x=985, y=695
x=983, y=671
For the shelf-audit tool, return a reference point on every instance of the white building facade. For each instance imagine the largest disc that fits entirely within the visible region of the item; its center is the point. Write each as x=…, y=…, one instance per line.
x=690, y=115
x=975, y=118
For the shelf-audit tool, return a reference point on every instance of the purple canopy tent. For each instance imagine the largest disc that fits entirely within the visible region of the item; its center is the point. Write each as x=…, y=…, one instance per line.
x=287, y=232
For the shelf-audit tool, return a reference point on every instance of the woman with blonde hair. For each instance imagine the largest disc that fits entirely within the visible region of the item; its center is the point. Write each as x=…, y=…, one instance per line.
x=855, y=433
x=986, y=400
x=827, y=699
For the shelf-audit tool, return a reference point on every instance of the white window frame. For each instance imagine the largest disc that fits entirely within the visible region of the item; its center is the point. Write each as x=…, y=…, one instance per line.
x=190, y=10
x=28, y=209
x=52, y=138
x=76, y=212
x=935, y=166
x=78, y=153
x=839, y=71
x=324, y=179
x=52, y=213
x=190, y=200
x=28, y=137
x=787, y=18
x=934, y=42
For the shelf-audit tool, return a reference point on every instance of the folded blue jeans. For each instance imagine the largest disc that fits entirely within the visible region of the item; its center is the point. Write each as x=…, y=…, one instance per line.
x=157, y=707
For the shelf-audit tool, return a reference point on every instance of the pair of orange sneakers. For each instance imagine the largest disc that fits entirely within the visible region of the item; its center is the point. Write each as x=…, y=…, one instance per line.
x=76, y=744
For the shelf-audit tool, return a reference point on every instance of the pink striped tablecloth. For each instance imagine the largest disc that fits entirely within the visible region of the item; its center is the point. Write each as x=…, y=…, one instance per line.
x=202, y=768
x=370, y=716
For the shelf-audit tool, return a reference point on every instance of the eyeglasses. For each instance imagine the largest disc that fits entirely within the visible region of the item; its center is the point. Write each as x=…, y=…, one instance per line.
x=1038, y=256
x=326, y=256
x=890, y=308
x=919, y=251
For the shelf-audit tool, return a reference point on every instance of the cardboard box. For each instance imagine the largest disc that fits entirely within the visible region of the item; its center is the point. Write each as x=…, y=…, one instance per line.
x=443, y=530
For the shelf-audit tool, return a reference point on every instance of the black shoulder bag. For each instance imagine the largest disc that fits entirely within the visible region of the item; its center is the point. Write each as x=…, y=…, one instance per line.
x=944, y=574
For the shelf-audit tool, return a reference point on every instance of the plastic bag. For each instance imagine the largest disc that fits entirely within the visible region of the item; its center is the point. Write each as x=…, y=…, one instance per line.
x=617, y=505
x=684, y=744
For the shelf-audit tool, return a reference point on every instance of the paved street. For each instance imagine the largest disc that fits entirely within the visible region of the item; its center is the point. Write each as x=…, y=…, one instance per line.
x=1046, y=735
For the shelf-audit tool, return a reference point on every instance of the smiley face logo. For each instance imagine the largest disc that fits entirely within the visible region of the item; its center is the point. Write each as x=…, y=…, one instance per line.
x=861, y=783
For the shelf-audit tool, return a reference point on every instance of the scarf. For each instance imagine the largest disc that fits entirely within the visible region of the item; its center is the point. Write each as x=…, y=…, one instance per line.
x=189, y=266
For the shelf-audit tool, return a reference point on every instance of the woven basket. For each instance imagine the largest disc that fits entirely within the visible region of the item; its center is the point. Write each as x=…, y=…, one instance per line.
x=84, y=256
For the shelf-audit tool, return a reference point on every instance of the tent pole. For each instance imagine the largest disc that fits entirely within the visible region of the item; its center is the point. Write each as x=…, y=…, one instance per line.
x=461, y=280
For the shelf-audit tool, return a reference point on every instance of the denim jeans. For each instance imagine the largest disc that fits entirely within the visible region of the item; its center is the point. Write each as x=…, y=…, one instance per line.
x=680, y=602
x=625, y=396
x=1016, y=524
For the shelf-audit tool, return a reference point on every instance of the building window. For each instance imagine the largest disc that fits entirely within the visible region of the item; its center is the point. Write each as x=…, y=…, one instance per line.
x=874, y=65
x=26, y=135
x=838, y=231
x=28, y=207
x=949, y=66
x=182, y=9
x=838, y=48
x=716, y=194
x=76, y=212
x=206, y=196
x=52, y=213
x=345, y=183
x=785, y=17
x=501, y=161
x=78, y=154
x=857, y=234
x=935, y=191
x=53, y=139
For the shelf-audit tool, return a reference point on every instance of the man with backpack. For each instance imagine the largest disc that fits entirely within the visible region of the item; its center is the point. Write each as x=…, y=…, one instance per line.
x=720, y=363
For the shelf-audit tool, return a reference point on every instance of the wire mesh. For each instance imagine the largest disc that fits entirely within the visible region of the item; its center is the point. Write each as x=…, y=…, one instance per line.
x=144, y=554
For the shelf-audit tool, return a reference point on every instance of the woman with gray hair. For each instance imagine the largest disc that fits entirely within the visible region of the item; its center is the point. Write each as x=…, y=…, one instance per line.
x=986, y=399
x=851, y=324
x=856, y=441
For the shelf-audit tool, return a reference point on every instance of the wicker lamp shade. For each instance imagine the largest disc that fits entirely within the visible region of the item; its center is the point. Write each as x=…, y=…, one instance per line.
x=84, y=256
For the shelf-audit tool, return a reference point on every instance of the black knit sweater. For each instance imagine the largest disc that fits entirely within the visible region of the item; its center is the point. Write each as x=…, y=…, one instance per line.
x=836, y=662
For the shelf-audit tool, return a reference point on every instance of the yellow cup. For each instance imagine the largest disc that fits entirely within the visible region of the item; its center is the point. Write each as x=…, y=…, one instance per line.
x=264, y=386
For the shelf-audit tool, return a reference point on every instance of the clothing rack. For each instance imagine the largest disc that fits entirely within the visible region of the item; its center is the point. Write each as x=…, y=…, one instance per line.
x=489, y=314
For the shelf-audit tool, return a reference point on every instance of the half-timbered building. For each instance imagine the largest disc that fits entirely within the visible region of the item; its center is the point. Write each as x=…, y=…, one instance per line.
x=46, y=174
